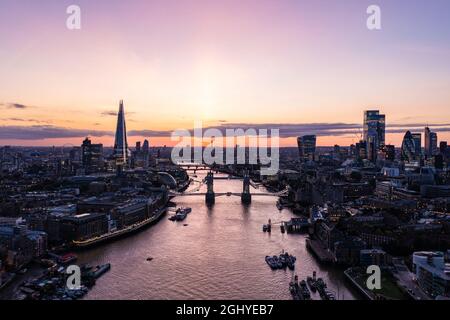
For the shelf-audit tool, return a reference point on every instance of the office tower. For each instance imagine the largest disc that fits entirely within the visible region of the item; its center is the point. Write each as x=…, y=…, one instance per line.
x=75, y=154
x=433, y=143
x=417, y=137
x=427, y=141
x=390, y=152
x=408, y=148
x=387, y=152
x=91, y=156
x=146, y=146
x=371, y=148
x=121, y=152
x=306, y=147
x=138, y=146
x=337, y=152
x=375, y=126
x=443, y=147
x=361, y=150
x=430, y=142
x=352, y=150
x=438, y=161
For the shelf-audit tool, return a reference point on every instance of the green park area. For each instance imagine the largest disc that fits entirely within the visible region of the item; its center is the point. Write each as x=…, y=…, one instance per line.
x=389, y=288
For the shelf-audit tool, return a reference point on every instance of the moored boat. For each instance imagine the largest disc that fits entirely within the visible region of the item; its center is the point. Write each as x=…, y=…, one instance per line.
x=305, y=291
x=271, y=262
x=180, y=214
x=311, y=283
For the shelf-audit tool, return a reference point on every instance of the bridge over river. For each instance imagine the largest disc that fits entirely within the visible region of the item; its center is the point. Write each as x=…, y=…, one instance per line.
x=210, y=195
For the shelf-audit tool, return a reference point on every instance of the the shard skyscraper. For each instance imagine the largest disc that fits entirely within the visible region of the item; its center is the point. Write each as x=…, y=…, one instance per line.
x=121, y=152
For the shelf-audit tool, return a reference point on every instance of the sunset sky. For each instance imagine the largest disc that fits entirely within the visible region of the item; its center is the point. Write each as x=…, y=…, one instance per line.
x=305, y=66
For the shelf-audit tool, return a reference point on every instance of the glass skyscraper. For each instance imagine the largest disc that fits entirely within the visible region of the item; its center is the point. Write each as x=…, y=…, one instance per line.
x=374, y=127
x=409, y=148
x=121, y=152
x=430, y=142
x=306, y=147
x=417, y=137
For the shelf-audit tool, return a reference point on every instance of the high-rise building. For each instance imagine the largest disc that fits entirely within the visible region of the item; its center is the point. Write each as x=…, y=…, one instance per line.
x=375, y=127
x=430, y=142
x=306, y=147
x=75, y=154
x=427, y=141
x=337, y=152
x=121, y=152
x=408, y=148
x=146, y=146
x=443, y=147
x=361, y=150
x=388, y=152
x=91, y=156
x=371, y=148
x=418, y=144
x=438, y=161
x=433, y=143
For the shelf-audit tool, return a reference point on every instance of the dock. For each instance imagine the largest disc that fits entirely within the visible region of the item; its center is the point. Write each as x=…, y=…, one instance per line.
x=319, y=251
x=367, y=294
x=297, y=225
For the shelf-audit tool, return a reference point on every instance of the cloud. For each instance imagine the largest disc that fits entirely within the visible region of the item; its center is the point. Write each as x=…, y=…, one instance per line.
x=150, y=133
x=38, y=132
x=16, y=119
x=109, y=113
x=286, y=130
x=11, y=105
x=418, y=125
x=112, y=113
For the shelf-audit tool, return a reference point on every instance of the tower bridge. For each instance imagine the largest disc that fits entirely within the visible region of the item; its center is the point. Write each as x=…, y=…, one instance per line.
x=192, y=166
x=210, y=195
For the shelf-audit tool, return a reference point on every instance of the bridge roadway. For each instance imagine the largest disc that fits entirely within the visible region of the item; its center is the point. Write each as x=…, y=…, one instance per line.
x=218, y=194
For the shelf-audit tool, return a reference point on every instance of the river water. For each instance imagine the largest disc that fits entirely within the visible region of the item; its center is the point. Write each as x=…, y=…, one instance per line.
x=219, y=255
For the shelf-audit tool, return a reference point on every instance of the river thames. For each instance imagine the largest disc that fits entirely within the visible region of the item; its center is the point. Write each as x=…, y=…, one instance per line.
x=218, y=255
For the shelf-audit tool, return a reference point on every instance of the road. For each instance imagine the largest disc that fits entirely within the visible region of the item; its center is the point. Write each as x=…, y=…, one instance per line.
x=406, y=280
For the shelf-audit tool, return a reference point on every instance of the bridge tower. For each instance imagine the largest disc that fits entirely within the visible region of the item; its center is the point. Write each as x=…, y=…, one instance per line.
x=210, y=196
x=246, y=196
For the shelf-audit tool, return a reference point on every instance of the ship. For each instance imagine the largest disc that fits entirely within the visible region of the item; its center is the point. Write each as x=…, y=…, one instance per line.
x=279, y=205
x=312, y=284
x=156, y=214
x=273, y=264
x=305, y=291
x=288, y=260
x=294, y=291
x=180, y=214
x=98, y=271
x=282, y=261
x=267, y=228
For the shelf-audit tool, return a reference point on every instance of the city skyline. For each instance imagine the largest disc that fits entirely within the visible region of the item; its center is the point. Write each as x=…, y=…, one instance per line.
x=225, y=157
x=287, y=132
x=310, y=68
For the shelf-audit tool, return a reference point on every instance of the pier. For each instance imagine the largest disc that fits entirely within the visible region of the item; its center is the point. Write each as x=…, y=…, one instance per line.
x=321, y=253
